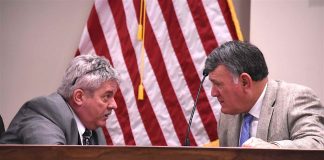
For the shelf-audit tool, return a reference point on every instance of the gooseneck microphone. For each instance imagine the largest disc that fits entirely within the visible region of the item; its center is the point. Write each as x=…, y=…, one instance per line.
x=187, y=140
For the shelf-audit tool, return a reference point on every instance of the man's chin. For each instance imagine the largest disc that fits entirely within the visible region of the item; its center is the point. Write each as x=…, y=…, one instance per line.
x=226, y=111
x=102, y=124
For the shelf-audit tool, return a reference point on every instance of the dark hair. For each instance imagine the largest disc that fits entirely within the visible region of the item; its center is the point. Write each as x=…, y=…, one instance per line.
x=239, y=57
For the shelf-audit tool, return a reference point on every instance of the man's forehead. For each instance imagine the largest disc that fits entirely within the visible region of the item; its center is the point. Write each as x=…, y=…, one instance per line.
x=220, y=71
x=109, y=85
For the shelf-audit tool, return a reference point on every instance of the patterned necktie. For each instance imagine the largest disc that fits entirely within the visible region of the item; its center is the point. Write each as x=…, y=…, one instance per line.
x=86, y=137
x=245, y=130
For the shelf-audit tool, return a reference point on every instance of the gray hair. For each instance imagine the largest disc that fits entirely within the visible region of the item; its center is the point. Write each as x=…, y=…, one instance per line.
x=239, y=57
x=87, y=72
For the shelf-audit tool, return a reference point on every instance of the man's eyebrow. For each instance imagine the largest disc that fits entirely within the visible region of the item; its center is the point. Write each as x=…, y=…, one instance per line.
x=109, y=91
x=213, y=80
x=216, y=82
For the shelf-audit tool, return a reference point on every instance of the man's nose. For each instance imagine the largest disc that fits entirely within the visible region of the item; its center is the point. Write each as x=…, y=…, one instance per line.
x=112, y=104
x=214, y=91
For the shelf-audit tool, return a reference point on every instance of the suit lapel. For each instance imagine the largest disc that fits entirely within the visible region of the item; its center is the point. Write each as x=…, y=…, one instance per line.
x=231, y=133
x=236, y=129
x=94, y=138
x=267, y=110
x=101, y=140
x=68, y=122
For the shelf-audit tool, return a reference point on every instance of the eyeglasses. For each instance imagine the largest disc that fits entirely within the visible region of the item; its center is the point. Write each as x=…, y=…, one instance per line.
x=96, y=69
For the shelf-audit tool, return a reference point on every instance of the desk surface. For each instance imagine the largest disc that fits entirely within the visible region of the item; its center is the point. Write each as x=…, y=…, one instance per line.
x=37, y=152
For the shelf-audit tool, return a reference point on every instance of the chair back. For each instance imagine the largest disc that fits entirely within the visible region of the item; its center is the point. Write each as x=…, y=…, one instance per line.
x=2, y=128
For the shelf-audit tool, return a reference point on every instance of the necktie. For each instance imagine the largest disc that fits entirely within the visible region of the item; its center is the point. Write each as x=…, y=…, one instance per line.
x=245, y=130
x=86, y=137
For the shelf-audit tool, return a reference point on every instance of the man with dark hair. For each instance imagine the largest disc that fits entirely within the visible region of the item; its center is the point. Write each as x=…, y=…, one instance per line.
x=75, y=113
x=256, y=111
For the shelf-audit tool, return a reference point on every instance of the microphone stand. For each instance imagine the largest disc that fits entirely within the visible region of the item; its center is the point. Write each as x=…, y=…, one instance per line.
x=187, y=140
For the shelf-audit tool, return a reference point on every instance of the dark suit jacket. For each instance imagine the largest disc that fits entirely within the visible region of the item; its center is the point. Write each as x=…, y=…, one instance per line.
x=45, y=120
x=2, y=128
x=291, y=116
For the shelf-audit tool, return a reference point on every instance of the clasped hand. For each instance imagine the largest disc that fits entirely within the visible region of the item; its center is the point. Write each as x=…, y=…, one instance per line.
x=258, y=143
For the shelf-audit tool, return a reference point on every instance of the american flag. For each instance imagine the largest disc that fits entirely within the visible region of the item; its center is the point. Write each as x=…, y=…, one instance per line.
x=168, y=61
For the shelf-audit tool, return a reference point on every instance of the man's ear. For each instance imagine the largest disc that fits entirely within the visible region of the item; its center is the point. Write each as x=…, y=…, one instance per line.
x=245, y=80
x=78, y=96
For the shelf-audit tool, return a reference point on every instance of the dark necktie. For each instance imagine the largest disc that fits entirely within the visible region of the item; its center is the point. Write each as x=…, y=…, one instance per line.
x=86, y=137
x=245, y=130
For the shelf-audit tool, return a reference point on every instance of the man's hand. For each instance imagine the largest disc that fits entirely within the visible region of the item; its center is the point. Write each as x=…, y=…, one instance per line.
x=258, y=143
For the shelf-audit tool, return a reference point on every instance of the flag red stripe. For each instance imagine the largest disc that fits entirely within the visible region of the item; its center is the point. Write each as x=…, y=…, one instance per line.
x=203, y=25
x=166, y=106
x=209, y=42
x=77, y=52
x=187, y=65
x=97, y=37
x=123, y=119
x=228, y=18
x=107, y=136
x=151, y=124
x=168, y=94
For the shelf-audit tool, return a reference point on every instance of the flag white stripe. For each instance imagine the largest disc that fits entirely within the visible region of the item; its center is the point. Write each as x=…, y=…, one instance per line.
x=222, y=34
x=173, y=69
x=86, y=45
x=171, y=62
x=218, y=24
x=107, y=21
x=115, y=128
x=198, y=56
x=149, y=81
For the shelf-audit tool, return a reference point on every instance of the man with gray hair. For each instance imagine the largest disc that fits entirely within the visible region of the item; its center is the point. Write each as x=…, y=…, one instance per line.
x=259, y=112
x=75, y=113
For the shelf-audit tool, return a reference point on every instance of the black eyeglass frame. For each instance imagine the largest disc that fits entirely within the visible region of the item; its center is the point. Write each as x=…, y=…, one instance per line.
x=96, y=69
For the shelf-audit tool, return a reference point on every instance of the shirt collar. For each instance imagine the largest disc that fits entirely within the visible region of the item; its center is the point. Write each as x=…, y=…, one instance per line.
x=81, y=127
x=256, y=109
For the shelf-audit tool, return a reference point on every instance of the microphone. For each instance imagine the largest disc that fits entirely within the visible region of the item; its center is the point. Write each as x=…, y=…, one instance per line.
x=187, y=140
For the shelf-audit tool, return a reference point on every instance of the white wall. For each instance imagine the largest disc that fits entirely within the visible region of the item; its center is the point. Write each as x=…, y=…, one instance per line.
x=39, y=37
x=290, y=33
